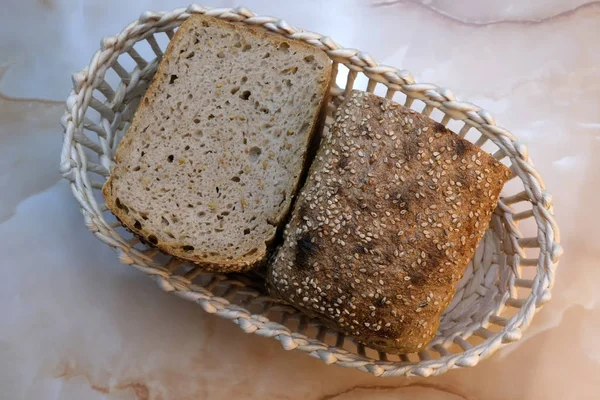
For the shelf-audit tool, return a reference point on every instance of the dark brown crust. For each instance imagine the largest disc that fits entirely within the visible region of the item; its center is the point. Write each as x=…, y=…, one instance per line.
x=223, y=264
x=381, y=233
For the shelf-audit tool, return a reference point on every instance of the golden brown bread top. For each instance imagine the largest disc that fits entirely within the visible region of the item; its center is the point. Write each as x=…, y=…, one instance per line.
x=386, y=223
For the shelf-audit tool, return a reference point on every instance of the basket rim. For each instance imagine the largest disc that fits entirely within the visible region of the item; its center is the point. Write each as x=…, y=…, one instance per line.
x=74, y=167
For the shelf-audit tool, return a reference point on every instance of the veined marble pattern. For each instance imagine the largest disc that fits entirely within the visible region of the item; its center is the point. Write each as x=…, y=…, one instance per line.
x=78, y=325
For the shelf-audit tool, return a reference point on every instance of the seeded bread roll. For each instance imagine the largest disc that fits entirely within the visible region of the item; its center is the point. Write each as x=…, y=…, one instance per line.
x=214, y=154
x=392, y=210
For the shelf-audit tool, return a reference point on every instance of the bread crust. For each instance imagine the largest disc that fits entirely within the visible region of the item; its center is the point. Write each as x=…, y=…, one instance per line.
x=219, y=263
x=381, y=233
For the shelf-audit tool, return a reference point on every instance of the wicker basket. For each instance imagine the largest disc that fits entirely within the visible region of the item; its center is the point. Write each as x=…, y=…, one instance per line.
x=508, y=280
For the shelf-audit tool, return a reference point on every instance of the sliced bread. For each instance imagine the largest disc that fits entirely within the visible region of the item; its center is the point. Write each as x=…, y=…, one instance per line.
x=213, y=157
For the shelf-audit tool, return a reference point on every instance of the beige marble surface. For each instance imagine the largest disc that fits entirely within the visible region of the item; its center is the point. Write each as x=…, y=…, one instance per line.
x=78, y=325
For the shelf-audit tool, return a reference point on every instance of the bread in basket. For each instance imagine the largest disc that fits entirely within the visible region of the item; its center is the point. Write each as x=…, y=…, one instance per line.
x=508, y=279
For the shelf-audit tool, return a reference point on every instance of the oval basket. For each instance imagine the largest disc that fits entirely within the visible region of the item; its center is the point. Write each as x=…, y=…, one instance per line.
x=507, y=281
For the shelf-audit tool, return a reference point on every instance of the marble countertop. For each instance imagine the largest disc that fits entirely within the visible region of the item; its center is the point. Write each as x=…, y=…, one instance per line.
x=78, y=325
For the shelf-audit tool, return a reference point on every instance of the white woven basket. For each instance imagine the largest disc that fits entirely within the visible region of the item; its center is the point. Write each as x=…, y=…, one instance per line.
x=509, y=277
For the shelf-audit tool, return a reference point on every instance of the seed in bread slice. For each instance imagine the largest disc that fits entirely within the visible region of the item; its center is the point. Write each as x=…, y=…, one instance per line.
x=213, y=157
x=391, y=212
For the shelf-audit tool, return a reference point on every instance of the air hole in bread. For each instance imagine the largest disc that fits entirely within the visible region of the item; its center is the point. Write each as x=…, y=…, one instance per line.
x=254, y=153
x=164, y=221
x=220, y=55
x=267, y=55
x=188, y=248
x=235, y=179
x=246, y=47
x=245, y=95
x=264, y=110
x=309, y=59
x=199, y=133
x=247, y=231
x=205, y=24
x=238, y=45
x=190, y=96
x=136, y=168
x=211, y=116
x=173, y=79
x=121, y=205
x=284, y=47
x=170, y=158
x=152, y=239
x=244, y=79
x=235, y=90
x=137, y=224
x=186, y=148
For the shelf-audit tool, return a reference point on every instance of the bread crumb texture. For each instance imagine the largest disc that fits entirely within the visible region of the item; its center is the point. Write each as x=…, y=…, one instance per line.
x=210, y=164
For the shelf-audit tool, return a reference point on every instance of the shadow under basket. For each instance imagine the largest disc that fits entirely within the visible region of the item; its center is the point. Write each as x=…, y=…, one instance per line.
x=506, y=282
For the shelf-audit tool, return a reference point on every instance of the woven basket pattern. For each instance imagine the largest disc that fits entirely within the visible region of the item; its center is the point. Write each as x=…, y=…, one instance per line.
x=507, y=281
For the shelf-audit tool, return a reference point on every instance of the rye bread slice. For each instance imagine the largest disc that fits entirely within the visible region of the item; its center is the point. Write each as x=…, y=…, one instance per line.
x=389, y=217
x=213, y=157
